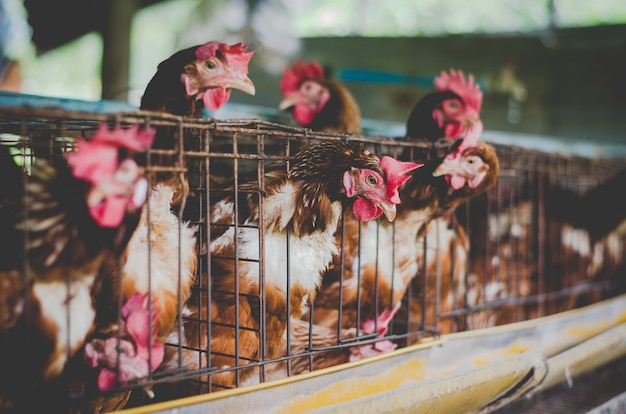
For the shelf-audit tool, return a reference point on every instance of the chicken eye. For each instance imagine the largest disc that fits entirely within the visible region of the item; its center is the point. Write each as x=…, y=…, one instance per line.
x=453, y=105
x=209, y=64
x=372, y=180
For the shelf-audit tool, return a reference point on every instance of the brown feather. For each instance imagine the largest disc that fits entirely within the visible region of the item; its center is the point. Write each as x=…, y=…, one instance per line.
x=385, y=273
x=305, y=204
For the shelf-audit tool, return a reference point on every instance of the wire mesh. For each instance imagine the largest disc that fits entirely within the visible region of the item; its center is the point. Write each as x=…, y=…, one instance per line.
x=502, y=257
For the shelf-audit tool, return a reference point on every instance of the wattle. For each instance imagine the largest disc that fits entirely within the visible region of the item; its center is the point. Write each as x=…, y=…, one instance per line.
x=107, y=379
x=365, y=210
x=453, y=129
x=110, y=212
x=303, y=114
x=215, y=98
x=457, y=182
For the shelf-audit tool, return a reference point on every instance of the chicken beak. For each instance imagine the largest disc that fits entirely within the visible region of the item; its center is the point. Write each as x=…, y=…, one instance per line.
x=288, y=102
x=472, y=118
x=389, y=210
x=243, y=84
x=443, y=169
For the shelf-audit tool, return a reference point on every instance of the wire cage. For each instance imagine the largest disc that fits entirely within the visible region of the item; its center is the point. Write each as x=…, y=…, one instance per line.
x=502, y=257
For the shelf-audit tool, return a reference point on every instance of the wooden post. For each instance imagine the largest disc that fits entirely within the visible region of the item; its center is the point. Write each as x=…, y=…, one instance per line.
x=116, y=50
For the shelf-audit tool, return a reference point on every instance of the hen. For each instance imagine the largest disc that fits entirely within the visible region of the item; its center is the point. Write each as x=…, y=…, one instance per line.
x=448, y=111
x=322, y=347
x=588, y=238
x=184, y=84
x=381, y=260
x=161, y=256
x=256, y=287
x=471, y=169
x=133, y=355
x=197, y=77
x=445, y=243
x=319, y=102
x=78, y=214
x=582, y=238
x=442, y=116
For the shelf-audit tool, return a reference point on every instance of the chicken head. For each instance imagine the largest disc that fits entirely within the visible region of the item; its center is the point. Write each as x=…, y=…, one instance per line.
x=374, y=194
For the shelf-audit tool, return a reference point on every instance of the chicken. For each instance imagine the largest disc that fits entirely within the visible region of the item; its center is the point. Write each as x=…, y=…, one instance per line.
x=448, y=111
x=190, y=80
x=132, y=356
x=445, y=246
x=304, y=204
x=584, y=239
x=78, y=215
x=319, y=102
x=469, y=170
x=323, y=348
x=161, y=258
x=298, y=214
x=442, y=116
x=197, y=77
x=380, y=259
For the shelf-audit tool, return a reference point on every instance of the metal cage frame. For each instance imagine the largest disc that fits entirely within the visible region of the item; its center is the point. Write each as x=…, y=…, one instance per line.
x=513, y=272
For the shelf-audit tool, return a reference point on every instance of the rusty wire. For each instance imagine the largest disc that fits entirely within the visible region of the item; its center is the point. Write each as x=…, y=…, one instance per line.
x=515, y=239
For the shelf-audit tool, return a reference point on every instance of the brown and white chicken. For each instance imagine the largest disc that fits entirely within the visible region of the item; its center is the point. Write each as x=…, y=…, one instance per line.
x=186, y=83
x=77, y=217
x=380, y=260
x=161, y=257
x=160, y=260
x=445, y=247
x=258, y=283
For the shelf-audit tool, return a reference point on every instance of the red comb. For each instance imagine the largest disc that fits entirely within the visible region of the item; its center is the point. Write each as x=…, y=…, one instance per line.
x=121, y=359
x=135, y=303
x=235, y=55
x=381, y=324
x=97, y=158
x=135, y=311
x=466, y=89
x=394, y=171
x=130, y=138
x=292, y=78
x=470, y=139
